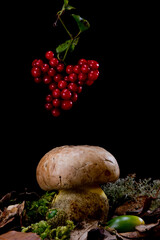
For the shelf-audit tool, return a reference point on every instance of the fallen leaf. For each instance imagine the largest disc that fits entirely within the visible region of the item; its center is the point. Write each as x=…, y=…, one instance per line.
x=9, y=214
x=146, y=206
x=14, y=235
x=152, y=216
x=144, y=231
x=1, y=213
x=17, y=197
x=132, y=235
x=81, y=231
x=4, y=223
x=147, y=227
x=134, y=206
x=100, y=233
x=156, y=231
x=6, y=198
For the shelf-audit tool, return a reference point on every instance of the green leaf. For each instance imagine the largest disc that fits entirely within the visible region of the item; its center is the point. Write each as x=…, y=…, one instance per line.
x=62, y=47
x=71, y=44
x=82, y=23
x=74, y=44
x=69, y=7
x=66, y=6
x=66, y=3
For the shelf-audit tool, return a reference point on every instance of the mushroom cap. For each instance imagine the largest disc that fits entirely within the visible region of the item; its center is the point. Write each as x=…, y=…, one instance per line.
x=69, y=167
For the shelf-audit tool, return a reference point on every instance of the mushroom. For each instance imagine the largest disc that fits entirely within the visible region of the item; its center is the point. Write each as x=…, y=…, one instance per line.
x=77, y=173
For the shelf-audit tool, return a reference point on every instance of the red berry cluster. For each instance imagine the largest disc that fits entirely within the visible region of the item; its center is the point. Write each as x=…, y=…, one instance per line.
x=65, y=82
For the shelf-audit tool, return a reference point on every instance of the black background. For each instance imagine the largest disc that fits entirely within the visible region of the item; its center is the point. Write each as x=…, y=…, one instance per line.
x=120, y=112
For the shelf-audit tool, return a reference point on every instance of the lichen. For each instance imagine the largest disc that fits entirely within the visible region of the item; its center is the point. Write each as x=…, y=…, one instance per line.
x=129, y=188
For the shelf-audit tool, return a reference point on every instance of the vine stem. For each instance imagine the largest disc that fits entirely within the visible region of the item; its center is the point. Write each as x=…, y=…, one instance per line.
x=64, y=57
x=65, y=27
x=68, y=32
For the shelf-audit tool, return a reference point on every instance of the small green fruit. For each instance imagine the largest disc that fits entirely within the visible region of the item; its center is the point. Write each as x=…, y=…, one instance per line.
x=125, y=223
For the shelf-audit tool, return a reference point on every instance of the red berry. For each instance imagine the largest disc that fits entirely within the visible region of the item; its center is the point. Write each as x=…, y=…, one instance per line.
x=66, y=104
x=72, y=77
x=77, y=69
x=56, y=102
x=45, y=68
x=57, y=77
x=93, y=64
x=80, y=83
x=39, y=63
x=37, y=79
x=66, y=94
x=60, y=67
x=47, y=79
x=52, y=86
x=53, y=62
x=73, y=87
x=62, y=84
x=93, y=75
x=66, y=78
x=89, y=82
x=48, y=106
x=82, y=77
x=56, y=93
x=79, y=89
x=85, y=68
x=36, y=72
x=69, y=69
x=82, y=61
x=34, y=62
x=56, y=112
x=49, y=98
x=51, y=72
x=74, y=97
x=49, y=55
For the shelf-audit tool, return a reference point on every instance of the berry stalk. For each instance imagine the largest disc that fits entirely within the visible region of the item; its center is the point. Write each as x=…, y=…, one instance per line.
x=59, y=18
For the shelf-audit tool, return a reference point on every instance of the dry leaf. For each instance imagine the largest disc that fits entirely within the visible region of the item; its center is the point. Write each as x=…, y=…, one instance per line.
x=132, y=235
x=6, y=198
x=144, y=231
x=81, y=231
x=17, y=197
x=147, y=227
x=19, y=236
x=4, y=223
x=100, y=233
x=133, y=206
x=10, y=213
x=152, y=216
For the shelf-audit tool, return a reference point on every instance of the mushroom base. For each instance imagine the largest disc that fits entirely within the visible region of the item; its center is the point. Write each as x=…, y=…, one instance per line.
x=83, y=204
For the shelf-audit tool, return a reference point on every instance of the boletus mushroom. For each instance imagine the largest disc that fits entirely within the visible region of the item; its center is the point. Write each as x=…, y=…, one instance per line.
x=77, y=173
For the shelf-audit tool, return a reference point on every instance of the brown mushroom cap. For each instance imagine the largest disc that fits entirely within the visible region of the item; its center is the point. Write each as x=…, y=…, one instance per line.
x=68, y=167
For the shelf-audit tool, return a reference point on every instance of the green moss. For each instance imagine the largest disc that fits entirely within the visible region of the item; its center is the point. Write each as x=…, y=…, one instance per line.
x=36, y=210
x=46, y=231
x=59, y=218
